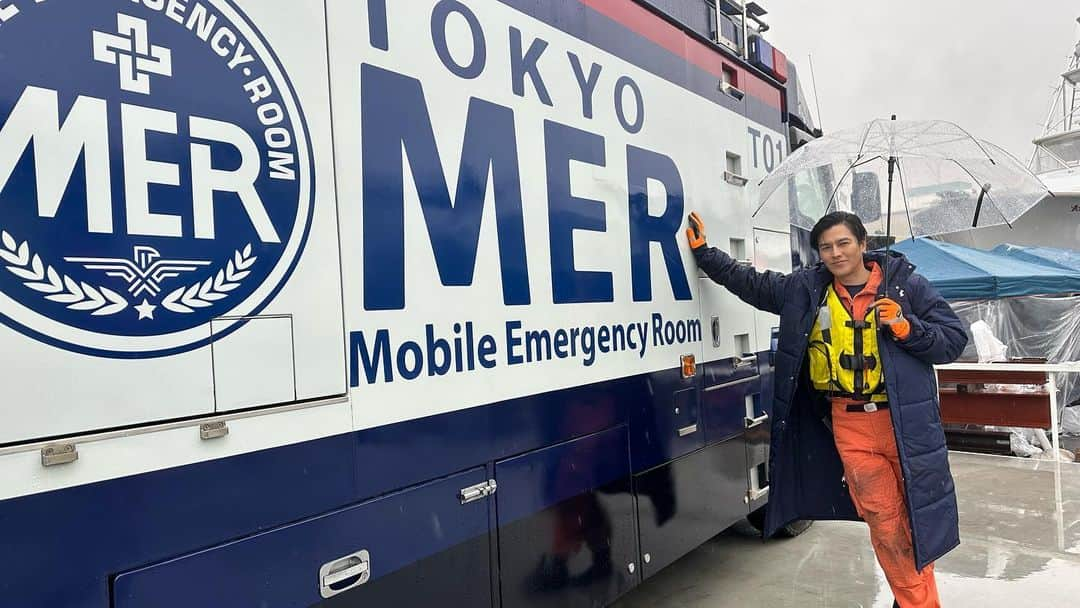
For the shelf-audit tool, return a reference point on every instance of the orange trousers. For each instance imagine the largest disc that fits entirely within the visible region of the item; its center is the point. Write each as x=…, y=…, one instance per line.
x=867, y=447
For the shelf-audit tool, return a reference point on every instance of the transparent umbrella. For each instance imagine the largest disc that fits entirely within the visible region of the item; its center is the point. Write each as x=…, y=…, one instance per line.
x=946, y=180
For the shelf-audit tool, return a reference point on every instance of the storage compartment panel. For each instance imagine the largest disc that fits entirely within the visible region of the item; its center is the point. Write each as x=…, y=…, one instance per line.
x=281, y=567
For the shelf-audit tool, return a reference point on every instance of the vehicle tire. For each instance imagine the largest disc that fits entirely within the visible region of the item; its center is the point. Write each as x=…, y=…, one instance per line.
x=757, y=519
x=795, y=528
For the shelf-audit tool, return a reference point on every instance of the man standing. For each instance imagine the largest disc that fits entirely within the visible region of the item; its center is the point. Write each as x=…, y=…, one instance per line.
x=856, y=431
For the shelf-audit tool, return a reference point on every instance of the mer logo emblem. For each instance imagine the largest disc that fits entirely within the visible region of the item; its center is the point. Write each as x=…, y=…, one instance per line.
x=155, y=173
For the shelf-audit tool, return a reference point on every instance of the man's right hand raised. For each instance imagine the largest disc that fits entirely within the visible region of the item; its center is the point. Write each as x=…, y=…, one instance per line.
x=696, y=232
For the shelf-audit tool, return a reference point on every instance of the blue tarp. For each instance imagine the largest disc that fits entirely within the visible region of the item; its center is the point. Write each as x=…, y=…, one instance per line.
x=963, y=273
x=1068, y=259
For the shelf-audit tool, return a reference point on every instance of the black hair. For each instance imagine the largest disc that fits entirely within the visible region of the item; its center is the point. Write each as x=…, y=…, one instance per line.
x=836, y=218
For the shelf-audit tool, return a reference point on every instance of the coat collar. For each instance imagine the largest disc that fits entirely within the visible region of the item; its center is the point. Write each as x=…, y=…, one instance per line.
x=898, y=266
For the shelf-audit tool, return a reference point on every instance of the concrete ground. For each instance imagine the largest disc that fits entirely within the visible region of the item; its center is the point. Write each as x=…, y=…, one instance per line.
x=1020, y=546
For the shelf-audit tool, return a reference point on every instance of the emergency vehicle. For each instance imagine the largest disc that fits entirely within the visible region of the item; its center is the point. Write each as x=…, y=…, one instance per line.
x=343, y=303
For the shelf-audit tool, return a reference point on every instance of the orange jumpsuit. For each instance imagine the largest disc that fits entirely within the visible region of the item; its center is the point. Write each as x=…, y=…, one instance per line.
x=867, y=446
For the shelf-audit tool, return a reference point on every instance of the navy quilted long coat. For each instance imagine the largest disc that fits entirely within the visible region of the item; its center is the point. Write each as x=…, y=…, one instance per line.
x=804, y=467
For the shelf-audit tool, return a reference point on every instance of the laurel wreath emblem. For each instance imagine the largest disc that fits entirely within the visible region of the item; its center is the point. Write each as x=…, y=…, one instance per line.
x=102, y=301
x=202, y=295
x=43, y=278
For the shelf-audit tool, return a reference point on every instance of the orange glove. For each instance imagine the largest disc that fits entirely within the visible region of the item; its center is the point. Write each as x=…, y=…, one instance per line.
x=890, y=315
x=696, y=232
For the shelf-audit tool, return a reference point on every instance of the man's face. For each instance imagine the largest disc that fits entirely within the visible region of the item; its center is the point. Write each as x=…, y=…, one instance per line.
x=840, y=250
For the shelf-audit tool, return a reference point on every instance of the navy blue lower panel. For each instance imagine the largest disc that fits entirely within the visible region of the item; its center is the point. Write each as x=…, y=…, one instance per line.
x=94, y=532
x=566, y=523
x=683, y=503
x=281, y=568
x=448, y=578
x=573, y=554
x=60, y=548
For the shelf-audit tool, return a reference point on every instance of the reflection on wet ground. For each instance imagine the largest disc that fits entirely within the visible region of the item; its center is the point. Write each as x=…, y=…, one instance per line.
x=1020, y=546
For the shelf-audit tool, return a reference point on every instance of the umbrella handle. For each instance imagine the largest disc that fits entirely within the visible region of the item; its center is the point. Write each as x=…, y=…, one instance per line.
x=978, y=207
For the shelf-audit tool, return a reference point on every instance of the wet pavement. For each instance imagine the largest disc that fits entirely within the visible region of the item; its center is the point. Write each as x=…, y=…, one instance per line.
x=1020, y=546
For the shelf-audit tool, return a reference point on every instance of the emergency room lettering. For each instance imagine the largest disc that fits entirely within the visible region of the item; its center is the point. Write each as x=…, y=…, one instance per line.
x=396, y=125
x=155, y=172
x=460, y=347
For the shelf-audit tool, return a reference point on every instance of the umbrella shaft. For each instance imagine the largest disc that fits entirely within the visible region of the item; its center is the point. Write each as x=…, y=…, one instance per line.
x=888, y=209
x=888, y=225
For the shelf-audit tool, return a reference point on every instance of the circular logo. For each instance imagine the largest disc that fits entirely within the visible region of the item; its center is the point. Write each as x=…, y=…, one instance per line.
x=155, y=174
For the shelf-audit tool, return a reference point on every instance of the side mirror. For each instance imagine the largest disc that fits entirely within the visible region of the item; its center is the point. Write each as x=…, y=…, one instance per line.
x=866, y=196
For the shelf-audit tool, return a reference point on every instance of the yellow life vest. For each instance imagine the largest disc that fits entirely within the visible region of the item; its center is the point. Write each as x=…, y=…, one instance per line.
x=844, y=358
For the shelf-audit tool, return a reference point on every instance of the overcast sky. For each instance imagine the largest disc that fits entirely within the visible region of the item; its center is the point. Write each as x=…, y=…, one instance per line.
x=989, y=69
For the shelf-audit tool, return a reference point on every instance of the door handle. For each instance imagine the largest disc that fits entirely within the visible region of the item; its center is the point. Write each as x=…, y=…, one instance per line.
x=341, y=575
x=753, y=422
x=688, y=430
x=754, y=495
x=745, y=361
x=334, y=576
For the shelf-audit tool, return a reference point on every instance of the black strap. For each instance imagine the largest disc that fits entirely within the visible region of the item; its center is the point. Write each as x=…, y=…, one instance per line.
x=880, y=390
x=859, y=354
x=852, y=362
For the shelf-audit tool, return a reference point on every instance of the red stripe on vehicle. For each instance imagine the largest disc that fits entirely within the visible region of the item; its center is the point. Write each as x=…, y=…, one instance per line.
x=641, y=21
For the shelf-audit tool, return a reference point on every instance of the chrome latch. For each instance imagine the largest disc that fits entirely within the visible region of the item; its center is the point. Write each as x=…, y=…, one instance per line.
x=735, y=179
x=213, y=430
x=747, y=360
x=344, y=573
x=755, y=495
x=688, y=430
x=58, y=453
x=755, y=422
x=480, y=490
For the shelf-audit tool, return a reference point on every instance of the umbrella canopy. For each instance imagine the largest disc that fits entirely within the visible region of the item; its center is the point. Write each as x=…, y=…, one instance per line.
x=1053, y=256
x=963, y=273
x=946, y=180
